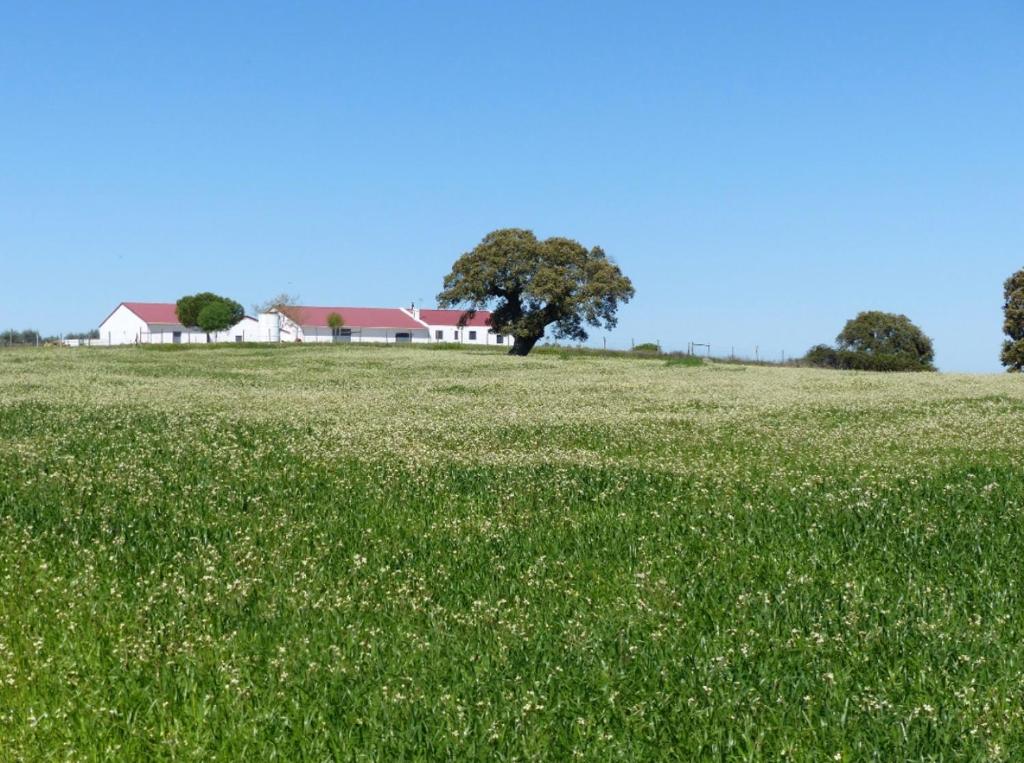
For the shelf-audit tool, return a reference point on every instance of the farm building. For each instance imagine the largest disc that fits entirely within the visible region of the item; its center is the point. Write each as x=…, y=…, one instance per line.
x=449, y=326
x=376, y=324
x=157, y=323
x=358, y=324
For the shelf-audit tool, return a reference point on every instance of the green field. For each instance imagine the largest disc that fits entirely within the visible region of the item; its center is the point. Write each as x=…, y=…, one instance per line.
x=369, y=553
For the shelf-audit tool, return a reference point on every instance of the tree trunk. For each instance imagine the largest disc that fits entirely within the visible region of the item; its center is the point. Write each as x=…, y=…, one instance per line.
x=522, y=345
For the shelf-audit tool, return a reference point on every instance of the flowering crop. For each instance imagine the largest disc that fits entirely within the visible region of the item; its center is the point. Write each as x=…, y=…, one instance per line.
x=363, y=552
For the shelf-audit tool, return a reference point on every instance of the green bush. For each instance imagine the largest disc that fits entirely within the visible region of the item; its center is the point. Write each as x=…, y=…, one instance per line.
x=689, y=361
x=647, y=347
x=823, y=356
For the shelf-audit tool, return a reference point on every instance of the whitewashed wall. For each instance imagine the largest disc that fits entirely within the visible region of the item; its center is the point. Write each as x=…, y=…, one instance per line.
x=387, y=336
x=464, y=335
x=121, y=327
x=125, y=327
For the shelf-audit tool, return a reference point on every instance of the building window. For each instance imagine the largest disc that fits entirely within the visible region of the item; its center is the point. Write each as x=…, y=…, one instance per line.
x=472, y=336
x=455, y=334
x=238, y=337
x=499, y=339
x=439, y=334
x=403, y=336
x=341, y=334
x=176, y=337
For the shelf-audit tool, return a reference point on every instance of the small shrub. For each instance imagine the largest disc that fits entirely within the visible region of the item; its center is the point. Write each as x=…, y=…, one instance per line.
x=687, y=361
x=823, y=356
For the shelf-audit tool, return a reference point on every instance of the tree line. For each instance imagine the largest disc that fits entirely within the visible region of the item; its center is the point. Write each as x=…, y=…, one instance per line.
x=31, y=336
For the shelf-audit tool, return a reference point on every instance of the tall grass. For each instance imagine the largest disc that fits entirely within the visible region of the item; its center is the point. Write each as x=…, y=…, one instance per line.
x=309, y=553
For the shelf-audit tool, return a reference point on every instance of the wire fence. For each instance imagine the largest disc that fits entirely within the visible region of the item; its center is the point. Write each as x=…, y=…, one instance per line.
x=738, y=353
x=720, y=351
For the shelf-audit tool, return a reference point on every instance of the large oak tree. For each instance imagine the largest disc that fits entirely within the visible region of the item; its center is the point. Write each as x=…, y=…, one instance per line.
x=534, y=284
x=876, y=333
x=876, y=341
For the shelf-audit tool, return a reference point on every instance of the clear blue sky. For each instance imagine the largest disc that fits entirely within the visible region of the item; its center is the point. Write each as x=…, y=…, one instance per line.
x=761, y=170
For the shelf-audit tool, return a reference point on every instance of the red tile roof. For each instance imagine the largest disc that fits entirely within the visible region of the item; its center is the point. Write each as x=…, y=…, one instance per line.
x=157, y=312
x=154, y=312
x=451, y=318
x=354, y=317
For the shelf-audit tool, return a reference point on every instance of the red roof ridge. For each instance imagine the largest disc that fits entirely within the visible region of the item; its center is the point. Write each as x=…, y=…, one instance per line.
x=356, y=317
x=450, y=317
x=139, y=308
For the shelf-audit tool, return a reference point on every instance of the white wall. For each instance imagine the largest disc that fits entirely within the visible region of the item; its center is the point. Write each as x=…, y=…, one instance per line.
x=246, y=330
x=125, y=327
x=323, y=334
x=291, y=332
x=484, y=335
x=121, y=327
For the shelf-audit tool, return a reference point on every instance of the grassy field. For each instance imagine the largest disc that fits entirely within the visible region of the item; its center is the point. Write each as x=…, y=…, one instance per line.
x=365, y=553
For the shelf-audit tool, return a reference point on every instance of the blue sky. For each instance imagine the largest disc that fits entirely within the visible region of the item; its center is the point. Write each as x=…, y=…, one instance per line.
x=761, y=170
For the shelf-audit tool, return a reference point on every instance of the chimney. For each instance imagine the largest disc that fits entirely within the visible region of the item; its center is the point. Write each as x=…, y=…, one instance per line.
x=414, y=310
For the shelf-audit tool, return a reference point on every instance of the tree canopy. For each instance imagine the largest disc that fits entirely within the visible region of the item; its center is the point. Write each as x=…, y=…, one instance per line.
x=876, y=341
x=534, y=284
x=209, y=312
x=877, y=333
x=283, y=302
x=1012, y=355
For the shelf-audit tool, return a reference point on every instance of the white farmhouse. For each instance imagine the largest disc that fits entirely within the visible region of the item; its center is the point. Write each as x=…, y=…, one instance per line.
x=358, y=324
x=157, y=323
x=456, y=326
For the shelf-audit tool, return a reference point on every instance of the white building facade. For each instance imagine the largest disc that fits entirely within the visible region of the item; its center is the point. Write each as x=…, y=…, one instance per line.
x=157, y=323
x=458, y=326
x=387, y=325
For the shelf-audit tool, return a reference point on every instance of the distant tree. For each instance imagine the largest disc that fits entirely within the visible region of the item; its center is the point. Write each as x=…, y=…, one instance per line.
x=822, y=356
x=281, y=301
x=535, y=284
x=877, y=333
x=647, y=347
x=25, y=336
x=876, y=341
x=217, y=316
x=209, y=312
x=335, y=321
x=92, y=334
x=284, y=303
x=1013, y=322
